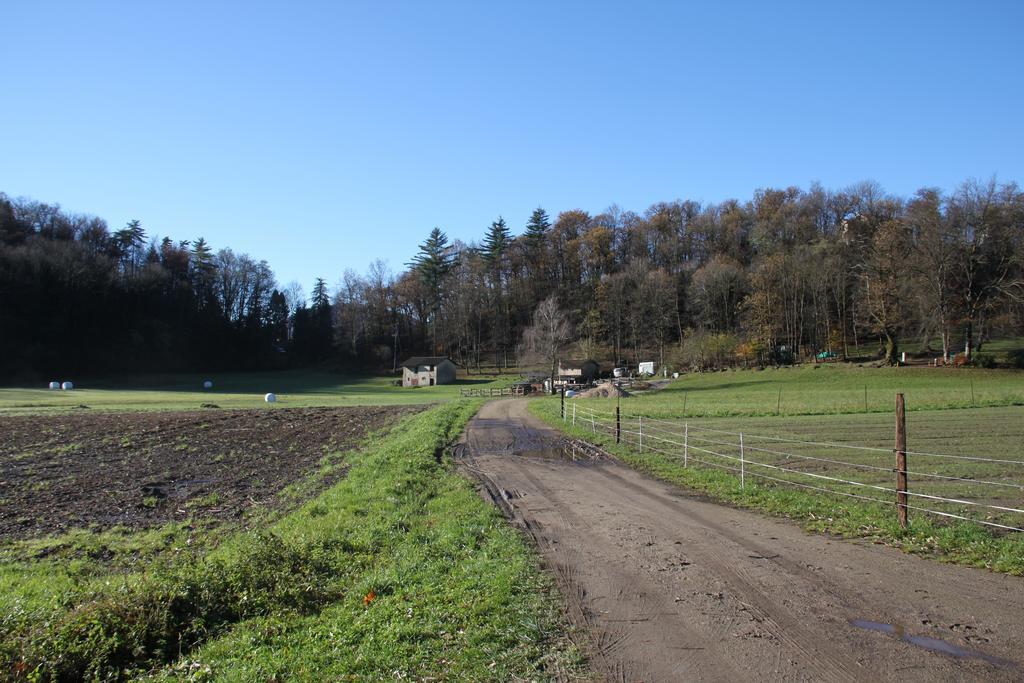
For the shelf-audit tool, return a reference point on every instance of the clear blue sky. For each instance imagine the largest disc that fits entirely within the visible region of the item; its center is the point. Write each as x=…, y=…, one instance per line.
x=320, y=136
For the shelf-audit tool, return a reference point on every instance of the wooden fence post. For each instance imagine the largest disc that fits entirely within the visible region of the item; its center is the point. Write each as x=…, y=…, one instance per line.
x=618, y=425
x=686, y=442
x=640, y=420
x=563, y=403
x=573, y=414
x=743, y=465
x=901, y=461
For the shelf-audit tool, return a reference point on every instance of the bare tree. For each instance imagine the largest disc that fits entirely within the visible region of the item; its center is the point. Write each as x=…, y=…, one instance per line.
x=886, y=289
x=544, y=339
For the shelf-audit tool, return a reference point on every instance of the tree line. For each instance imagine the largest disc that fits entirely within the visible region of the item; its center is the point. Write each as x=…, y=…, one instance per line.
x=77, y=297
x=788, y=273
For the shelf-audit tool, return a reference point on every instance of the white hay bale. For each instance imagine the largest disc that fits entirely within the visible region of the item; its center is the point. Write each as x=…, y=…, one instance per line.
x=208, y=384
x=67, y=386
x=55, y=385
x=570, y=393
x=270, y=398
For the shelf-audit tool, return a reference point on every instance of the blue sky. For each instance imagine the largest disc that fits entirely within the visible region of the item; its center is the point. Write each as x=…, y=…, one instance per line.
x=320, y=136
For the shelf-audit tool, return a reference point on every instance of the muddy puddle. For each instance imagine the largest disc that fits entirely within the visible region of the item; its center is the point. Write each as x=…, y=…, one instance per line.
x=928, y=643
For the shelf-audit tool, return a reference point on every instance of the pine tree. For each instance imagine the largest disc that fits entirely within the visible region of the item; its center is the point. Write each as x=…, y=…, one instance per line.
x=322, y=332
x=434, y=261
x=128, y=243
x=202, y=271
x=534, y=243
x=537, y=227
x=319, y=297
x=496, y=243
x=278, y=319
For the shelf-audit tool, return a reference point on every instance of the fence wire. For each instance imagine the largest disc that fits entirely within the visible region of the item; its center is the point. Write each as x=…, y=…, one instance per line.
x=747, y=456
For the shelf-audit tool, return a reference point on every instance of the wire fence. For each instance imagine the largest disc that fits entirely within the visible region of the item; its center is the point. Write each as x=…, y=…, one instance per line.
x=973, y=488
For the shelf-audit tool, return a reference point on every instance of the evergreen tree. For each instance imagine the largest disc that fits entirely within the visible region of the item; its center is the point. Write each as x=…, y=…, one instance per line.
x=202, y=270
x=433, y=263
x=322, y=325
x=128, y=243
x=496, y=243
x=319, y=298
x=434, y=260
x=278, y=319
x=537, y=228
x=535, y=242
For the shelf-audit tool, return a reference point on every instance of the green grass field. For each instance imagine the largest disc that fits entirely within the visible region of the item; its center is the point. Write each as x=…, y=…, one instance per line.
x=827, y=405
x=399, y=570
x=294, y=389
x=831, y=389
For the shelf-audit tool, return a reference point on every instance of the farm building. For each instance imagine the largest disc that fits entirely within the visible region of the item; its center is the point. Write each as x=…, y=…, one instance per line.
x=577, y=371
x=426, y=371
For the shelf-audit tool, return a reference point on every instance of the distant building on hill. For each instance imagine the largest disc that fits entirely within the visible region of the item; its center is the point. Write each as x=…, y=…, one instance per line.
x=426, y=371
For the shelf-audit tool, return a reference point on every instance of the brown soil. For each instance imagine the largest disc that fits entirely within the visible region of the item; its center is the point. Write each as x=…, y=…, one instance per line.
x=140, y=470
x=671, y=587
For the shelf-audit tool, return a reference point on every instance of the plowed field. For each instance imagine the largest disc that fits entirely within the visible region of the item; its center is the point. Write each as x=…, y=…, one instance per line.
x=144, y=469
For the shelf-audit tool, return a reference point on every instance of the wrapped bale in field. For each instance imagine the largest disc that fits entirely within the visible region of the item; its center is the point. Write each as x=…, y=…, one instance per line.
x=67, y=386
x=55, y=385
x=270, y=398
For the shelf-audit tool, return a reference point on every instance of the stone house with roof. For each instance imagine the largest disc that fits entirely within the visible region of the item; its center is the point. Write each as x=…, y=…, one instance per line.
x=427, y=371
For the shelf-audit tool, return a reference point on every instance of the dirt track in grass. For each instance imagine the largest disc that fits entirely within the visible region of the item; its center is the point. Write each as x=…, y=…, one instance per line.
x=145, y=469
x=673, y=587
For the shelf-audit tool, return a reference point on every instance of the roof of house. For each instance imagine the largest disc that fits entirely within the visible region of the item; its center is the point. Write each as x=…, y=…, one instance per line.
x=417, y=361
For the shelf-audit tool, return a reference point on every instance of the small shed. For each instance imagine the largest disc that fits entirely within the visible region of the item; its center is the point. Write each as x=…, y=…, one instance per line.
x=426, y=371
x=577, y=371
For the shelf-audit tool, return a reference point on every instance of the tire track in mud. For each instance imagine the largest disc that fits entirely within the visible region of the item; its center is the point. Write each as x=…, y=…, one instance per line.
x=670, y=587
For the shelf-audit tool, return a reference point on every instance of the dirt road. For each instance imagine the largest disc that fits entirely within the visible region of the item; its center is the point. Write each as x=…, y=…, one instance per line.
x=671, y=587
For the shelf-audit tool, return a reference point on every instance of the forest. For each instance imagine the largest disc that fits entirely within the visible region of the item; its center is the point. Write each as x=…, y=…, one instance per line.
x=785, y=275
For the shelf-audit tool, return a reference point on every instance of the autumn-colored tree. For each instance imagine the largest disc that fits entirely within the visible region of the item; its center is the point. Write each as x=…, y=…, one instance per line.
x=886, y=284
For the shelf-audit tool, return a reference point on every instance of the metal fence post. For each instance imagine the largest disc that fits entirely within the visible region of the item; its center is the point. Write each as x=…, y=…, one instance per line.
x=563, y=403
x=901, y=461
x=618, y=425
x=743, y=465
x=686, y=442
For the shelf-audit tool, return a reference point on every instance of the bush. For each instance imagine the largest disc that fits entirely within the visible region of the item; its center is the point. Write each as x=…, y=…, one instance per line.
x=984, y=360
x=1016, y=358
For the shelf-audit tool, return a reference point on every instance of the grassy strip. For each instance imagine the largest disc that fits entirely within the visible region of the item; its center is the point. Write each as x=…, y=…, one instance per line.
x=399, y=569
x=959, y=543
